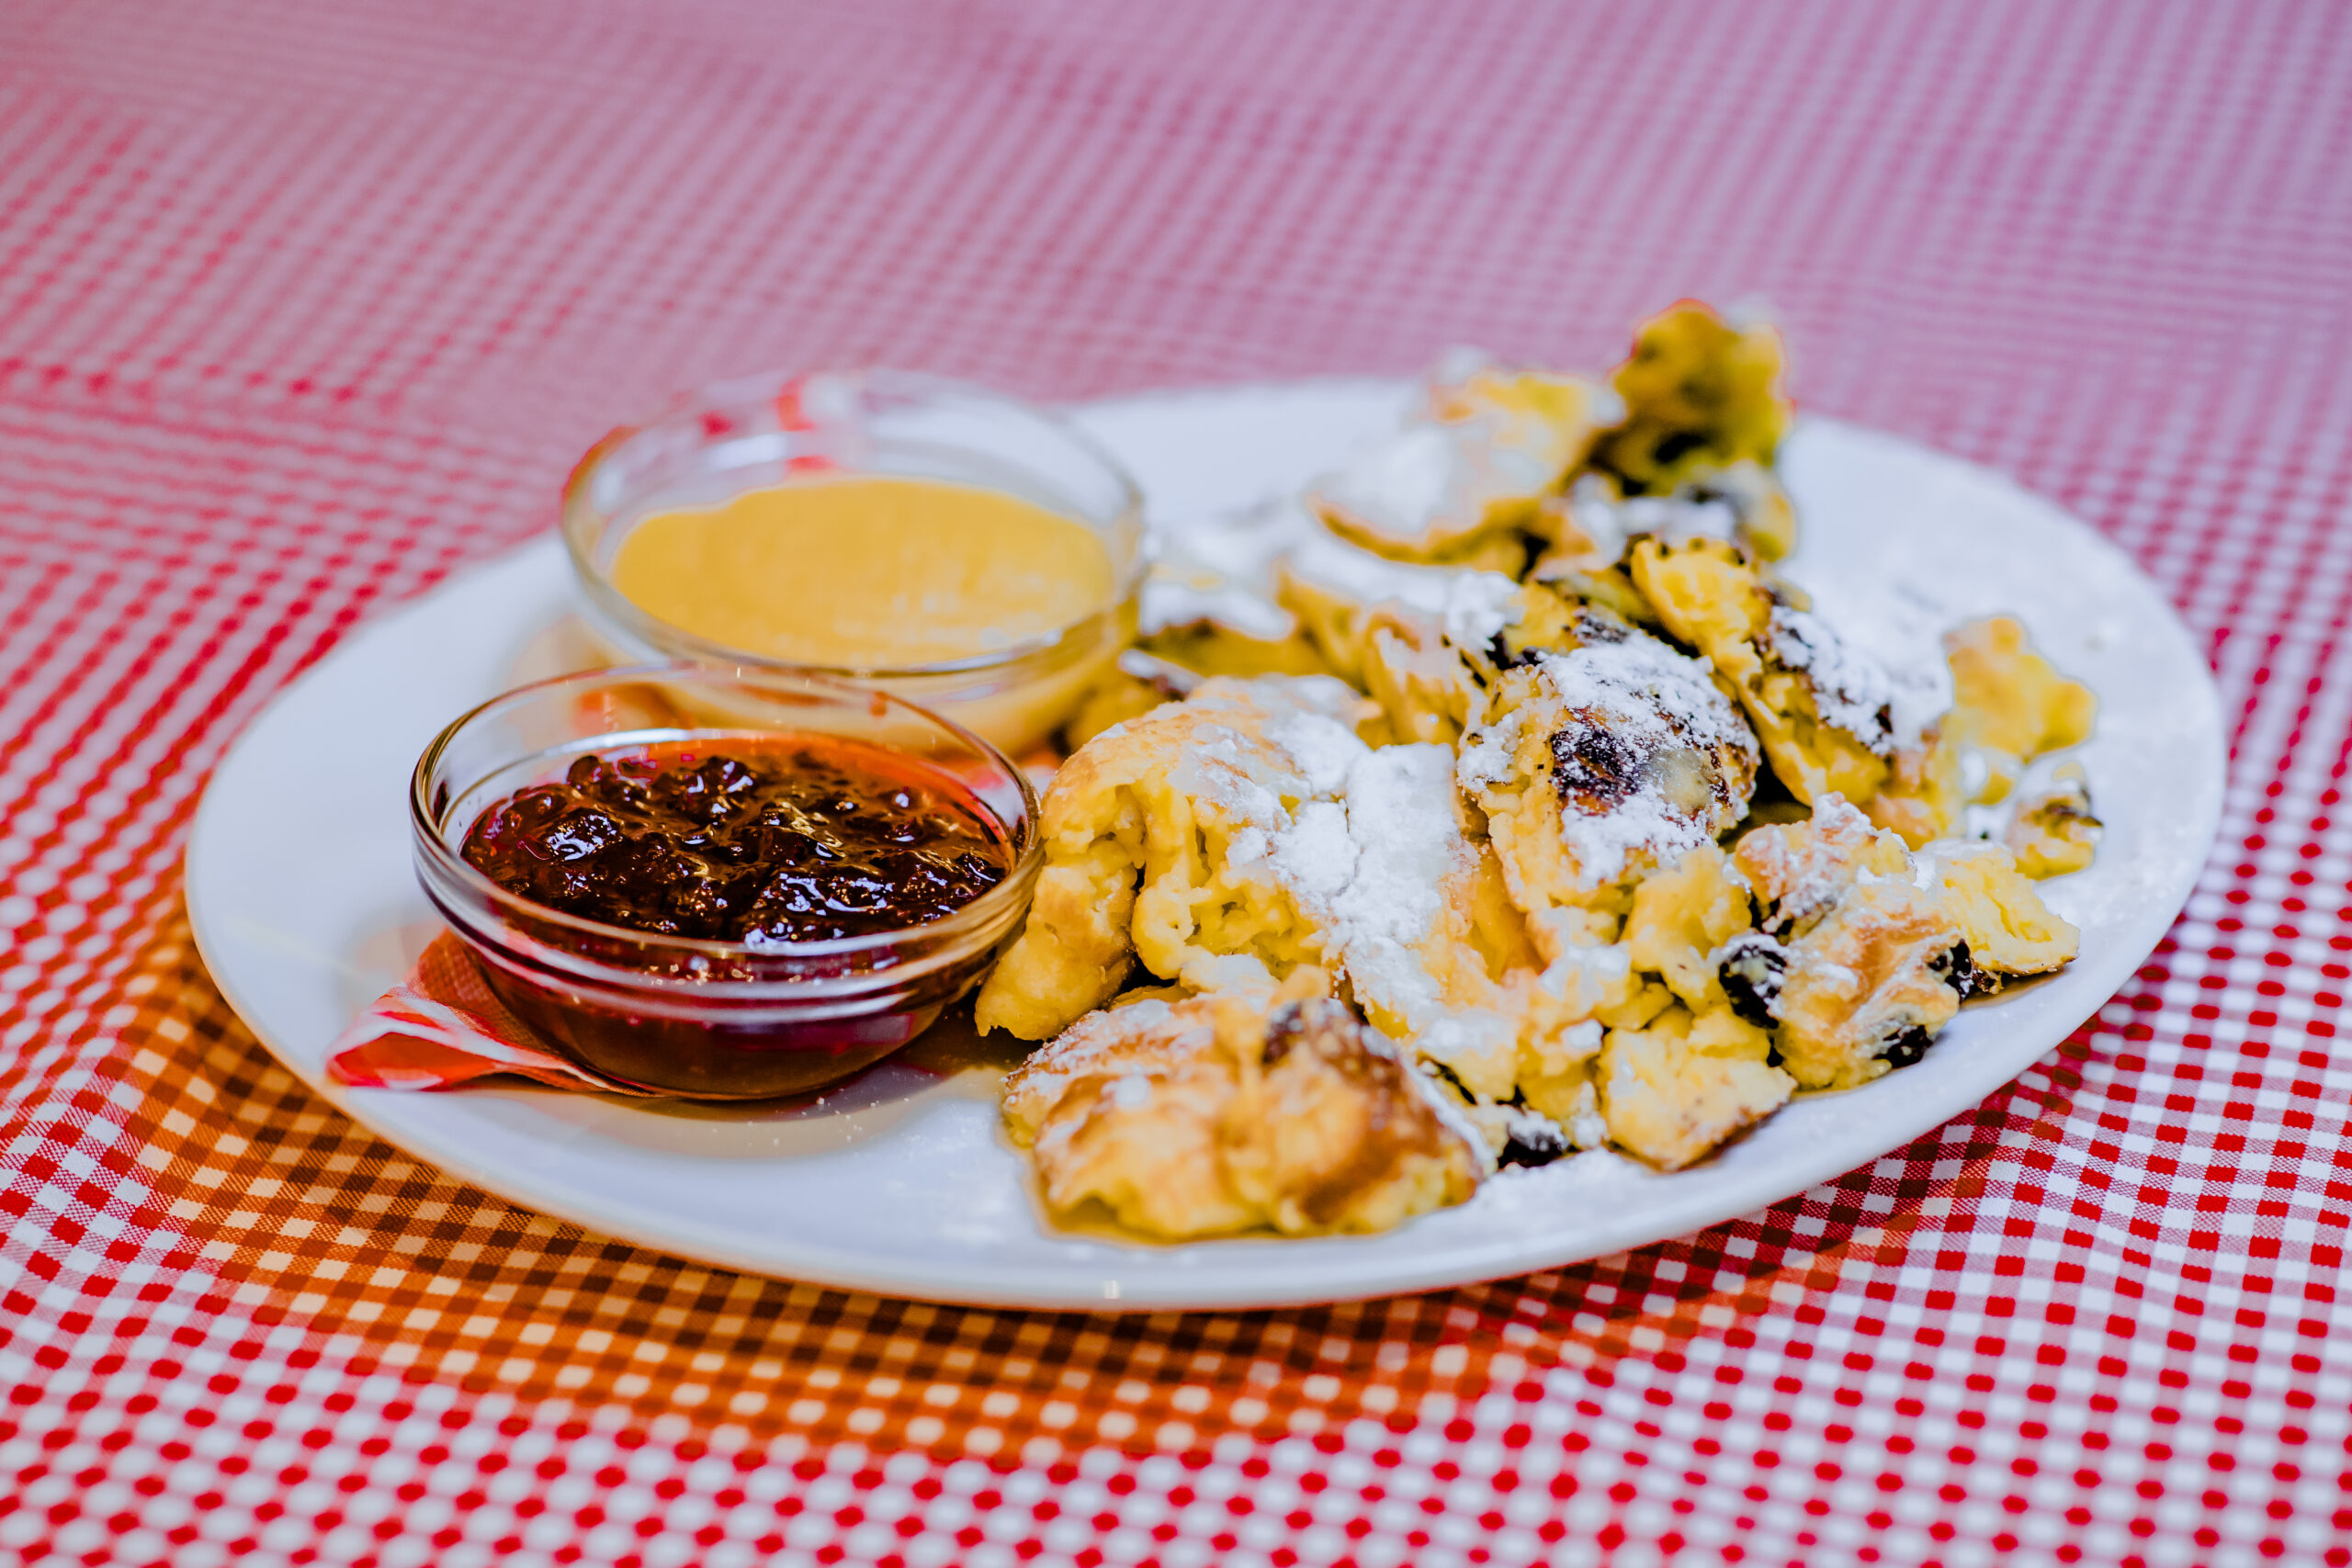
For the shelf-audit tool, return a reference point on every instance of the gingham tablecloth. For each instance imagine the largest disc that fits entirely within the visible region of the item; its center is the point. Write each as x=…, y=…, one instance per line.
x=304, y=307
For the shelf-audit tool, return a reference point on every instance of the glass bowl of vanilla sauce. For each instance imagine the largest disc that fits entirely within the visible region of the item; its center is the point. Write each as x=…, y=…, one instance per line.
x=952, y=545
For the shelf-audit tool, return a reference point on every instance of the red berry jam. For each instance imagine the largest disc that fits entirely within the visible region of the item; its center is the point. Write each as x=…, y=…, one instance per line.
x=765, y=843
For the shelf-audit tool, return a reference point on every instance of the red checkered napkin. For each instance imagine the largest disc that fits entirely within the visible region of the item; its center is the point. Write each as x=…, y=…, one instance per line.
x=442, y=1027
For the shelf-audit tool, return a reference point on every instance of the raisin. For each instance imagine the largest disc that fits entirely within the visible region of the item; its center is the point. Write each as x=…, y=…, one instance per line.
x=1676, y=445
x=1956, y=969
x=1906, y=1047
x=1750, y=972
x=1533, y=1142
x=1594, y=766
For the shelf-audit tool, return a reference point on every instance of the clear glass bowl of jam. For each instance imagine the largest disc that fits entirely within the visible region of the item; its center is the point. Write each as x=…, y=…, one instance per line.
x=714, y=446
x=720, y=885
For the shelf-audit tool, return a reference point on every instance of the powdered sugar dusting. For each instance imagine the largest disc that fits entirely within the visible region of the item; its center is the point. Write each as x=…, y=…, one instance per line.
x=1220, y=569
x=1473, y=606
x=1401, y=816
x=1637, y=704
x=1369, y=871
x=1315, y=858
x=1406, y=485
x=1674, y=518
x=1478, y=606
x=1898, y=626
x=1090, y=1046
x=1213, y=768
x=1364, y=840
x=1306, y=719
x=1489, y=751
x=1478, y=443
x=1850, y=689
x=1333, y=564
x=1326, y=695
x=1321, y=748
x=1593, y=508
x=1640, y=681
x=1168, y=601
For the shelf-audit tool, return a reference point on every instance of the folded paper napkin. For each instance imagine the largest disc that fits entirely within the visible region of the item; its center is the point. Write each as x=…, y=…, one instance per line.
x=442, y=1026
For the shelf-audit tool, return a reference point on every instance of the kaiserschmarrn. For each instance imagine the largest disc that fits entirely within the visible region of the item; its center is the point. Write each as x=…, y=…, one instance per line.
x=1501, y=800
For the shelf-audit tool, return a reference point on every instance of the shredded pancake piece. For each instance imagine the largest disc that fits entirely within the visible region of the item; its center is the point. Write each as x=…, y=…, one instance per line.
x=1701, y=393
x=1820, y=708
x=2053, y=831
x=1602, y=761
x=1210, y=1116
x=1468, y=472
x=1865, y=950
x=1862, y=965
x=1137, y=829
x=1674, y=1089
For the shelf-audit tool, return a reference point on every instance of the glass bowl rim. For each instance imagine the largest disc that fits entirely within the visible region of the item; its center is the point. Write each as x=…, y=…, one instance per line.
x=1005, y=898
x=708, y=395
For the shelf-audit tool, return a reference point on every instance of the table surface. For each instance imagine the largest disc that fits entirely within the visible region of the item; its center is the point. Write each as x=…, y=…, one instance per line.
x=303, y=308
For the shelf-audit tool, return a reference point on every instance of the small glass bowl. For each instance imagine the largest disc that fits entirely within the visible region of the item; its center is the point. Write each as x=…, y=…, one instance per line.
x=758, y=432
x=695, y=1019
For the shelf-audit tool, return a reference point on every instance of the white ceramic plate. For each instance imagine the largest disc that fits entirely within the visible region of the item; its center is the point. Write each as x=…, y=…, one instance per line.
x=305, y=908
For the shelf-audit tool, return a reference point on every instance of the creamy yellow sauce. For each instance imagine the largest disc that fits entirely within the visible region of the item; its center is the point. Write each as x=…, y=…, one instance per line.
x=869, y=572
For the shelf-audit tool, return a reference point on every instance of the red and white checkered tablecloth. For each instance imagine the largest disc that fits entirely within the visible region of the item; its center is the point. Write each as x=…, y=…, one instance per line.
x=304, y=307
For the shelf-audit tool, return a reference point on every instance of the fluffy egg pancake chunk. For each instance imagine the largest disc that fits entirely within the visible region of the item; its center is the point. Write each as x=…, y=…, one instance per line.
x=1227, y=840
x=1865, y=950
x=2009, y=931
x=1682, y=916
x=1470, y=470
x=1600, y=760
x=1700, y=394
x=1674, y=1090
x=1857, y=965
x=1821, y=708
x=2052, y=830
x=1138, y=829
x=1212, y=1115
x=2014, y=700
